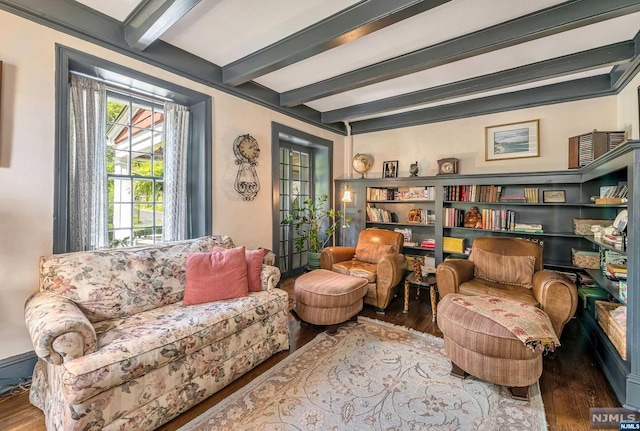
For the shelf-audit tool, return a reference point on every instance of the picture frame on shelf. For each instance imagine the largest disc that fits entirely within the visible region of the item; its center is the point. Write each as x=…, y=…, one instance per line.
x=390, y=169
x=553, y=196
x=512, y=141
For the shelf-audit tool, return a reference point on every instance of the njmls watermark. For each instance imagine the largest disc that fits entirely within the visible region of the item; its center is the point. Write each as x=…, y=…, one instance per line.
x=614, y=418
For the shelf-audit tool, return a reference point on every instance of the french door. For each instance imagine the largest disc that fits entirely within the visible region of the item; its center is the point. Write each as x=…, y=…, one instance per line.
x=295, y=177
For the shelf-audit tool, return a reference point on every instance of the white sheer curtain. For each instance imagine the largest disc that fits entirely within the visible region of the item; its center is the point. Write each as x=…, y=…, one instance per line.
x=87, y=165
x=176, y=131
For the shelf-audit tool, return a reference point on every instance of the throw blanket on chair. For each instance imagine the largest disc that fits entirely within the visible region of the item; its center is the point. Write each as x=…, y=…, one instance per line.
x=528, y=323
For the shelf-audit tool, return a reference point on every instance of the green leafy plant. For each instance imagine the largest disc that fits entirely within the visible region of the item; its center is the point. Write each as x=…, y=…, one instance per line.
x=314, y=225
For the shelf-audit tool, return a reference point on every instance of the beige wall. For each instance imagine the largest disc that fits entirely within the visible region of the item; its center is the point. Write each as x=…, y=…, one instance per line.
x=27, y=168
x=628, y=109
x=27, y=151
x=464, y=139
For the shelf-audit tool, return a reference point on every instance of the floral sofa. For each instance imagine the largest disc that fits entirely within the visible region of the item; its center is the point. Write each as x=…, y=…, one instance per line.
x=119, y=351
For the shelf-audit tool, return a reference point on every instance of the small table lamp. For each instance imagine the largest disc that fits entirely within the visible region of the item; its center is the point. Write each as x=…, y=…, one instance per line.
x=346, y=197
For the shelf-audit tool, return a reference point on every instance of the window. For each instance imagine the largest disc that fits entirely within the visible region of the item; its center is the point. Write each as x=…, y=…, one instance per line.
x=135, y=154
x=135, y=170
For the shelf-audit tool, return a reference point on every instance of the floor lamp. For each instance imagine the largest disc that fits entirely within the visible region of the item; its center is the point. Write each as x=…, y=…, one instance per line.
x=346, y=197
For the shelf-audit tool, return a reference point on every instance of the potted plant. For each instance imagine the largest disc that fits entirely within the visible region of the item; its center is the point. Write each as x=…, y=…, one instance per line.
x=314, y=226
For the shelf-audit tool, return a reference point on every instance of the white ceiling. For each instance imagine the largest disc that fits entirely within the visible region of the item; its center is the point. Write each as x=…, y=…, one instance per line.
x=224, y=31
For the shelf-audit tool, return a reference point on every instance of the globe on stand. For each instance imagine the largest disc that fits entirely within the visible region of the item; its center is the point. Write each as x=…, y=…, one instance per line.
x=362, y=163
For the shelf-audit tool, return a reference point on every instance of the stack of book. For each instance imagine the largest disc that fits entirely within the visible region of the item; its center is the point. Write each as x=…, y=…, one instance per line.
x=406, y=233
x=453, y=245
x=429, y=244
x=528, y=227
x=616, y=271
x=617, y=241
x=514, y=198
x=531, y=194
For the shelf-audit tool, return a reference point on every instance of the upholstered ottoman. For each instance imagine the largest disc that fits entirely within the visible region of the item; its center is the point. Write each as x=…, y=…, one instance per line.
x=477, y=344
x=325, y=297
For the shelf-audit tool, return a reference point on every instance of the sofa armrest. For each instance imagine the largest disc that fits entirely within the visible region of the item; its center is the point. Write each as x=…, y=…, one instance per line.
x=390, y=270
x=450, y=274
x=269, y=276
x=332, y=255
x=558, y=297
x=59, y=330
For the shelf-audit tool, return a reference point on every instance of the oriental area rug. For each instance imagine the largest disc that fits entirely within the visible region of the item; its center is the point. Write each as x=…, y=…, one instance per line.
x=370, y=376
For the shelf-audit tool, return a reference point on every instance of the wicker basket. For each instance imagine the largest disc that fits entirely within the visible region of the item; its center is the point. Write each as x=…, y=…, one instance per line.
x=585, y=259
x=616, y=334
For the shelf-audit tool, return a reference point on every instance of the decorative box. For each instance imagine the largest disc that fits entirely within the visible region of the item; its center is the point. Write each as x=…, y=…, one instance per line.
x=582, y=226
x=585, y=259
x=614, y=331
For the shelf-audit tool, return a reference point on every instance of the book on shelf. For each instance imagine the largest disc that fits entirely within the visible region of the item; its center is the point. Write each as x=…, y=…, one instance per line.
x=531, y=194
x=528, y=227
x=380, y=194
x=514, y=198
x=453, y=245
x=428, y=243
x=618, y=241
x=380, y=215
x=616, y=271
x=496, y=219
x=422, y=193
x=406, y=233
x=614, y=191
x=410, y=244
x=622, y=290
x=453, y=217
x=473, y=193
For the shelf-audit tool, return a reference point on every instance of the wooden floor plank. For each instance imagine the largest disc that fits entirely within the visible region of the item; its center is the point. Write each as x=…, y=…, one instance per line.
x=571, y=383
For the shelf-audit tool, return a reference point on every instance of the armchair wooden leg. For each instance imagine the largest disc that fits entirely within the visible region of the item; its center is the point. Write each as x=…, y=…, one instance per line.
x=332, y=329
x=456, y=371
x=380, y=310
x=519, y=393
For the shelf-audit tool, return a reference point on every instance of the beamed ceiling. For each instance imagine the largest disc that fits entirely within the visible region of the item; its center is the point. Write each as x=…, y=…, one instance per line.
x=374, y=64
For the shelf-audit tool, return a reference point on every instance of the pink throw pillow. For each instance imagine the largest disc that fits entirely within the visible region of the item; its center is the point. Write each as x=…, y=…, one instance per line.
x=221, y=274
x=254, y=267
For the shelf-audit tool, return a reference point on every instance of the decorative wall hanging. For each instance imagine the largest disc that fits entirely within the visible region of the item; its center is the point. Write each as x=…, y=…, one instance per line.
x=246, y=149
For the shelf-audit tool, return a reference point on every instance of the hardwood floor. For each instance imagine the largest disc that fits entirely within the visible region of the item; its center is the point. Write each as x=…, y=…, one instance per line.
x=571, y=383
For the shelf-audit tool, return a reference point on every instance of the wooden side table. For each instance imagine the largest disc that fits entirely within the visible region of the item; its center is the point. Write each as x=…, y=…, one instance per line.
x=428, y=281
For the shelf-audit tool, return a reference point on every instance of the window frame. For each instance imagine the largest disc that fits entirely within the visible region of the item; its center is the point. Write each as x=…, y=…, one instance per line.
x=132, y=99
x=199, y=170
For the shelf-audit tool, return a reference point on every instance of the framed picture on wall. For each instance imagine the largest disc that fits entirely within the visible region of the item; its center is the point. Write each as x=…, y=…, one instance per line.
x=512, y=141
x=390, y=169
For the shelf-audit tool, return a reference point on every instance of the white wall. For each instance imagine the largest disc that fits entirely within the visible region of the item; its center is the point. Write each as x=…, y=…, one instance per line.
x=464, y=139
x=27, y=128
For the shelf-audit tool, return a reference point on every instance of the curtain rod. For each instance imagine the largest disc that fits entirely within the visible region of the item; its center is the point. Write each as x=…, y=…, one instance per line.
x=123, y=90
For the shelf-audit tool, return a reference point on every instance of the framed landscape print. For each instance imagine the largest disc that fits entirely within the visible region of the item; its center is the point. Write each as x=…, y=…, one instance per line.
x=512, y=141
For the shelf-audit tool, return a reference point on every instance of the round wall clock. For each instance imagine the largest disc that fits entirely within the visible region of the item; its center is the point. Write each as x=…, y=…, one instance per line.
x=246, y=149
